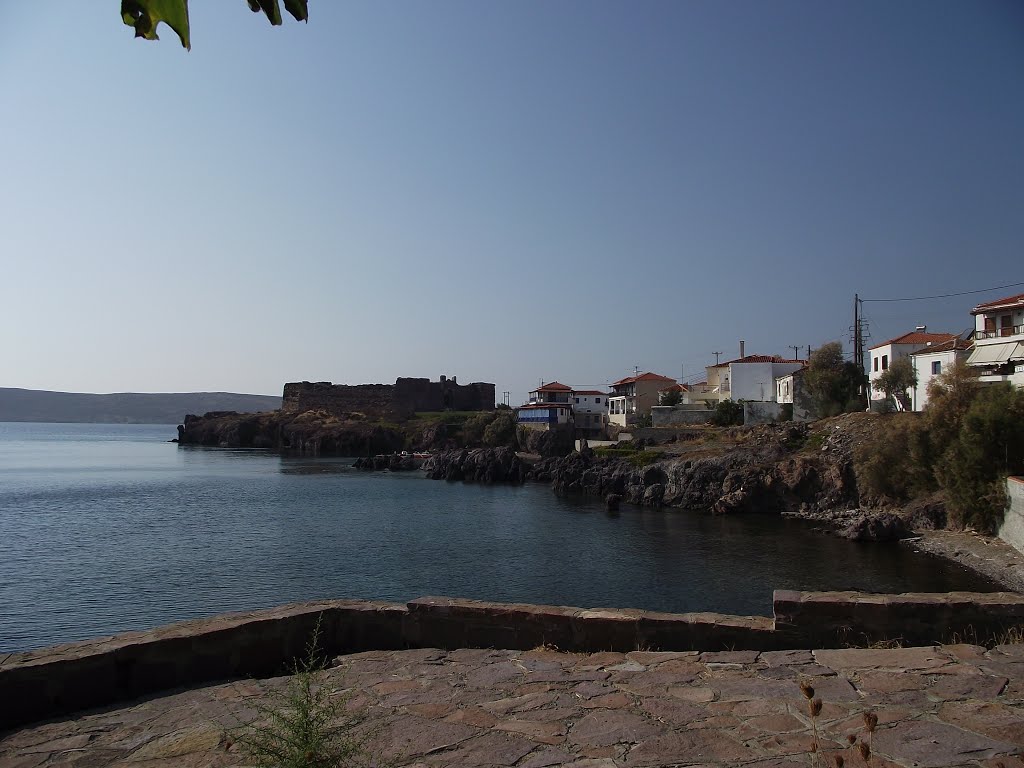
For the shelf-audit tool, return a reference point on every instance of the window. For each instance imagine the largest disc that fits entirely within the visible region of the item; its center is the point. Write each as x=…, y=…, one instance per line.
x=936, y=367
x=577, y=401
x=885, y=362
x=597, y=400
x=1006, y=325
x=876, y=365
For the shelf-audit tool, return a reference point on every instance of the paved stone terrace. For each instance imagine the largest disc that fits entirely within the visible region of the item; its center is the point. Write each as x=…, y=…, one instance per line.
x=953, y=705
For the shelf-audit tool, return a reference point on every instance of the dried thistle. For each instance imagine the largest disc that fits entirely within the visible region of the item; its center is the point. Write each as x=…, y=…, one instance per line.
x=840, y=762
x=814, y=705
x=870, y=721
x=807, y=690
x=850, y=738
x=865, y=751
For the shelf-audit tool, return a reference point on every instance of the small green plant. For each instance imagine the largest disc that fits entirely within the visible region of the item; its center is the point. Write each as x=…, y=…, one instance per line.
x=305, y=725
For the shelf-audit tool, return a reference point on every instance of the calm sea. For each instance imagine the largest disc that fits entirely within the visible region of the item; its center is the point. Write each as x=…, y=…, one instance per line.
x=105, y=528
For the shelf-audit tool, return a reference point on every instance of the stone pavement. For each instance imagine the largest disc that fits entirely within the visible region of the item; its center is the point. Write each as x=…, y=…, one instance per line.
x=955, y=705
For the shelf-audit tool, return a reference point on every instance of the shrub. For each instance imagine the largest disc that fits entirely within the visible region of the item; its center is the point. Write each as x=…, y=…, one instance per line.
x=304, y=726
x=988, y=447
x=728, y=414
x=671, y=397
x=893, y=467
x=502, y=429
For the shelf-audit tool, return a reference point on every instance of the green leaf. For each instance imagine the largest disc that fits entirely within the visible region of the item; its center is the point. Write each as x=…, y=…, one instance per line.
x=144, y=15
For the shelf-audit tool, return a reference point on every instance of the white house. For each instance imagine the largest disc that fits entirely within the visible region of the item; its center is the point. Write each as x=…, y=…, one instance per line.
x=590, y=409
x=934, y=360
x=751, y=377
x=998, y=353
x=884, y=354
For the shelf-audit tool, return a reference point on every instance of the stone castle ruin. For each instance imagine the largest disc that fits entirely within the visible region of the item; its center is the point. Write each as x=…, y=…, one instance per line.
x=405, y=397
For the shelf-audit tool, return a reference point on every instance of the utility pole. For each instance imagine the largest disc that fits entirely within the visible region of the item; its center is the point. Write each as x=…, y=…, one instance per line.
x=636, y=370
x=858, y=340
x=796, y=350
x=717, y=355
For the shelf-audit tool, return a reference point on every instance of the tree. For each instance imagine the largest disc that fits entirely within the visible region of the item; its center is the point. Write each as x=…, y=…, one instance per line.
x=950, y=395
x=897, y=380
x=833, y=382
x=989, y=446
x=671, y=397
x=145, y=15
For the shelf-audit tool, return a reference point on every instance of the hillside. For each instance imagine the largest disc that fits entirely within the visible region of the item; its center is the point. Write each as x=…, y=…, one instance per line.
x=124, y=407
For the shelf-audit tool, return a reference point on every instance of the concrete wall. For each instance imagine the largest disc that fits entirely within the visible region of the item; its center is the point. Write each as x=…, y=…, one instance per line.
x=1012, y=529
x=761, y=413
x=679, y=415
x=40, y=684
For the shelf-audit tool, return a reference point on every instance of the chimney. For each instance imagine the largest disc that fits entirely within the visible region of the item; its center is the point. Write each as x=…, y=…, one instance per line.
x=742, y=344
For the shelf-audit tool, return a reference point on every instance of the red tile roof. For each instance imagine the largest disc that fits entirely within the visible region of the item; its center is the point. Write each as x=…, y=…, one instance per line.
x=946, y=346
x=553, y=386
x=919, y=338
x=676, y=388
x=1009, y=302
x=589, y=392
x=644, y=377
x=758, y=359
x=545, y=406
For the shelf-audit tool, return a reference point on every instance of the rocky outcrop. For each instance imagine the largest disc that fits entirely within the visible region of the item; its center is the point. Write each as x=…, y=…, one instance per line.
x=311, y=433
x=479, y=465
x=766, y=475
x=547, y=443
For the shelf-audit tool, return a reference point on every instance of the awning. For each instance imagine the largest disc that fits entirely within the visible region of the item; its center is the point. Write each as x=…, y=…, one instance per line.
x=995, y=354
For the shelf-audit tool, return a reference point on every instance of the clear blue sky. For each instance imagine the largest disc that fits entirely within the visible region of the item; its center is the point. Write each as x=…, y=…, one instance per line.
x=499, y=191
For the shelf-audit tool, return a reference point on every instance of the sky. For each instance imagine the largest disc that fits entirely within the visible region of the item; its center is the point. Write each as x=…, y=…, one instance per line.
x=503, y=192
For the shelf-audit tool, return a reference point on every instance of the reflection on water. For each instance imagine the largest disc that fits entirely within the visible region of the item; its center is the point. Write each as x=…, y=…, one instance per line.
x=107, y=528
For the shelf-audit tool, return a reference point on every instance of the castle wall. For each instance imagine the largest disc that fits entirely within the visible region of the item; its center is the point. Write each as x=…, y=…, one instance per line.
x=406, y=395
x=336, y=398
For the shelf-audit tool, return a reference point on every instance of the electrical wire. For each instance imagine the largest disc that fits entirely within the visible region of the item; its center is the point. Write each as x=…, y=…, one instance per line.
x=949, y=295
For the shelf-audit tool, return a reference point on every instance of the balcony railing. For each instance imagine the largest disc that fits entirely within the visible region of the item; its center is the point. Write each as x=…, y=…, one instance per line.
x=999, y=333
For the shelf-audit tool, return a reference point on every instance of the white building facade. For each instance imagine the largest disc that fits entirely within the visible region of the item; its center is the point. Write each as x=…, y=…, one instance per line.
x=998, y=353
x=932, y=361
x=883, y=355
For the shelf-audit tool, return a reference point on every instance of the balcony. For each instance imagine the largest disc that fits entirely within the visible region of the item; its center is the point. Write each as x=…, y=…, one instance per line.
x=999, y=333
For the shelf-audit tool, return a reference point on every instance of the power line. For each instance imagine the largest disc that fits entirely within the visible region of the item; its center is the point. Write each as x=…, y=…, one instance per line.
x=949, y=295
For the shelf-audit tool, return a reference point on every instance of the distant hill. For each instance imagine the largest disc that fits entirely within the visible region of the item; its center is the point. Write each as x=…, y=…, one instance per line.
x=124, y=407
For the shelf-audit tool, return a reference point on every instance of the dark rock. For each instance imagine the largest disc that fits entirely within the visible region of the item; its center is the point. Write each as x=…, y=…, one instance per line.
x=612, y=501
x=885, y=526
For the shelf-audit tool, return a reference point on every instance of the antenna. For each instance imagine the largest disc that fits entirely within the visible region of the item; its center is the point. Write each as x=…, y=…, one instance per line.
x=636, y=370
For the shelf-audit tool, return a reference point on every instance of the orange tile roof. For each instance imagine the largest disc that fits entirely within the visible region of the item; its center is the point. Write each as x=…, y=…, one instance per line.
x=1009, y=302
x=588, y=392
x=553, y=386
x=946, y=346
x=644, y=377
x=757, y=359
x=532, y=406
x=676, y=388
x=918, y=337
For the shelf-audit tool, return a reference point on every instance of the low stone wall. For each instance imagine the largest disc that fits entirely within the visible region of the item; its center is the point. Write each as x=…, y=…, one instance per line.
x=762, y=413
x=1012, y=529
x=679, y=415
x=39, y=684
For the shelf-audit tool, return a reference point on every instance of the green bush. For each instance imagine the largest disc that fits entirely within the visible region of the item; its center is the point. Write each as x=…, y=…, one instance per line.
x=305, y=725
x=502, y=429
x=728, y=414
x=988, y=447
x=894, y=467
x=833, y=382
